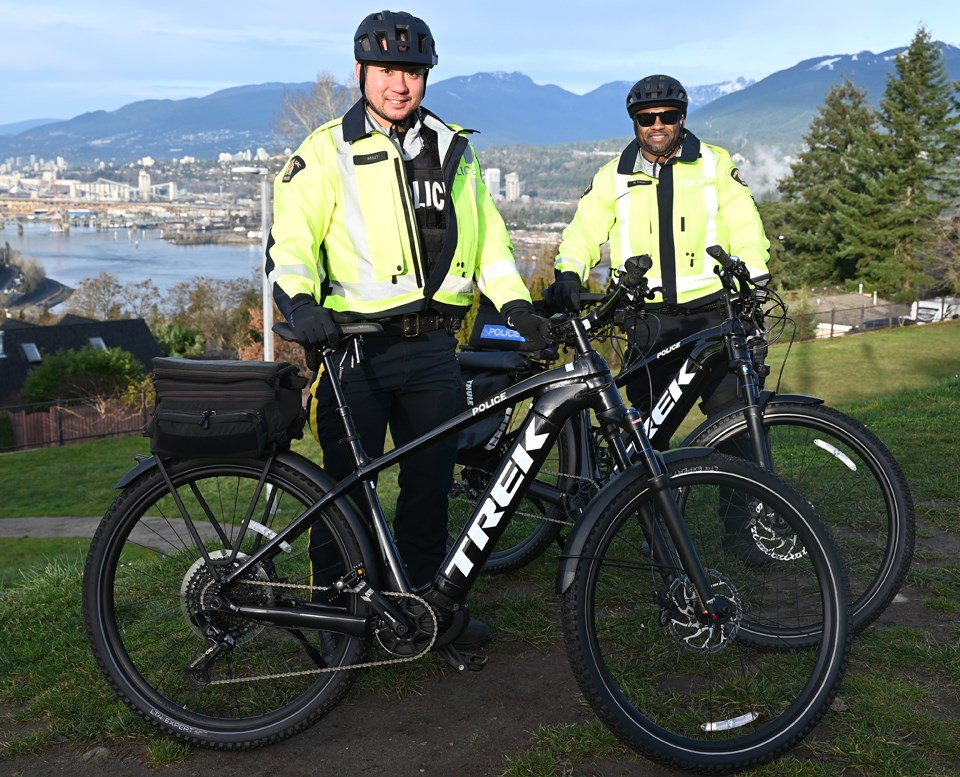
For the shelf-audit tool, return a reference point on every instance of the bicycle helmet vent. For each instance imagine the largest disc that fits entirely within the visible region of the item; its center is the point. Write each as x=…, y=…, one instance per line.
x=394, y=37
x=656, y=91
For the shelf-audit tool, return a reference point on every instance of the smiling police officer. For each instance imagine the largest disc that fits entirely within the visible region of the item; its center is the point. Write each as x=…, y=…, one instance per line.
x=382, y=215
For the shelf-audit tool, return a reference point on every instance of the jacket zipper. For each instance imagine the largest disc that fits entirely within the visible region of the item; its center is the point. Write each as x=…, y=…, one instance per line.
x=410, y=222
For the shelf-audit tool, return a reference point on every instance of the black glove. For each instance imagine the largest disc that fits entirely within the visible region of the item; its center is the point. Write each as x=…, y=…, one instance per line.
x=564, y=293
x=535, y=329
x=313, y=326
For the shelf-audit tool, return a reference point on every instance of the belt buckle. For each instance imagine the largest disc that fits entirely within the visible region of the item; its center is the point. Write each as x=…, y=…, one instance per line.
x=410, y=324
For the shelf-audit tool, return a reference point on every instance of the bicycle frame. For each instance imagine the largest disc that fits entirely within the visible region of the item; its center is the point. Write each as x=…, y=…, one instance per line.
x=558, y=394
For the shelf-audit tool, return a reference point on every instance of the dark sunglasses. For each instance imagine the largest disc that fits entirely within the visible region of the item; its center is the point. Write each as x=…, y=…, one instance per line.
x=649, y=119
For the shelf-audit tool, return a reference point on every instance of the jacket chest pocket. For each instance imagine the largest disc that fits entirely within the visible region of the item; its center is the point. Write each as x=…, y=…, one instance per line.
x=381, y=219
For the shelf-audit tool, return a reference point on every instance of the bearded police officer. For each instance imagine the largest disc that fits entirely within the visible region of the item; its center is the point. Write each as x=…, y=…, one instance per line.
x=671, y=196
x=382, y=214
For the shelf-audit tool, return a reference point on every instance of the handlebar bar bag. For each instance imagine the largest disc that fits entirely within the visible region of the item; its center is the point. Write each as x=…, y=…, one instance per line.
x=227, y=408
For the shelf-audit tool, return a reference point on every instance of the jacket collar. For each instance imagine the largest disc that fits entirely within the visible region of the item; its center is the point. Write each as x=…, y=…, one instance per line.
x=689, y=152
x=355, y=126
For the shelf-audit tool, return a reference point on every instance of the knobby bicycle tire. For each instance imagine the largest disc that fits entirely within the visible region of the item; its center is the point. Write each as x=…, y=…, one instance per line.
x=541, y=518
x=146, y=589
x=709, y=697
x=853, y=481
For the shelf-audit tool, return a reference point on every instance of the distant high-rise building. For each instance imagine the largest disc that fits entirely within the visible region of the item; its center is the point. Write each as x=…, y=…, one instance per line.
x=512, y=186
x=491, y=178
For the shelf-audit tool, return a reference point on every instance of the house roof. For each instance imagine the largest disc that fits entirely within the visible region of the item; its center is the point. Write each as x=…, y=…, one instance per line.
x=132, y=335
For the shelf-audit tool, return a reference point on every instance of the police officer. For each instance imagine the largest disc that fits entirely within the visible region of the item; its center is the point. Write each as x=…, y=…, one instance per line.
x=382, y=214
x=671, y=196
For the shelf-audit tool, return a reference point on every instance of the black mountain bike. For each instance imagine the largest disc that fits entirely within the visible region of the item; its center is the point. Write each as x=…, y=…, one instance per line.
x=842, y=467
x=209, y=620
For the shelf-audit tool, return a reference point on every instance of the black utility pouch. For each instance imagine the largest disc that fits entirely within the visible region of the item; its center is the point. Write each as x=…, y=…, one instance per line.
x=229, y=408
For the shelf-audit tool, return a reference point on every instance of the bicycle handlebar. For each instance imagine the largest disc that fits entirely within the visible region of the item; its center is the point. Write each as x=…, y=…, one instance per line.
x=631, y=282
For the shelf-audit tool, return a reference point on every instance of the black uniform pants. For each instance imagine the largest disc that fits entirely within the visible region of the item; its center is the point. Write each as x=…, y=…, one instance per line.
x=661, y=333
x=409, y=385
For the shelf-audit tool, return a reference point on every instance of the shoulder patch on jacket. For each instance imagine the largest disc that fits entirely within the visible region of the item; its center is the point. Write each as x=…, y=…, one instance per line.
x=294, y=166
x=735, y=175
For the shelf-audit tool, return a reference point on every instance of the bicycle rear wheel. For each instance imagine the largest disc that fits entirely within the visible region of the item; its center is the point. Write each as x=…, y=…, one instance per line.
x=156, y=627
x=856, y=485
x=551, y=506
x=691, y=693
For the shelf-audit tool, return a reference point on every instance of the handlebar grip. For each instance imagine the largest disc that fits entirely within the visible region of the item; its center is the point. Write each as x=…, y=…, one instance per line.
x=590, y=297
x=634, y=270
x=725, y=260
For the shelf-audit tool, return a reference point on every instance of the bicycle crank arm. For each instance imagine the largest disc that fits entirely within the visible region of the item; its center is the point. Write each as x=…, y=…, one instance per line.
x=305, y=616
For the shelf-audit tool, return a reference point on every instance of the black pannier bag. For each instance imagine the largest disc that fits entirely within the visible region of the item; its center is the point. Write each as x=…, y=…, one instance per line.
x=224, y=408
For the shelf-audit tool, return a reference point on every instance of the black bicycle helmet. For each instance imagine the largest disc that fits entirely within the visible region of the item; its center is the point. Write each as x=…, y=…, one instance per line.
x=394, y=37
x=655, y=91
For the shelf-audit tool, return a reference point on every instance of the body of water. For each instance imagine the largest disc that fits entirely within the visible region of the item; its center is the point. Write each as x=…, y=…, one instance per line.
x=130, y=255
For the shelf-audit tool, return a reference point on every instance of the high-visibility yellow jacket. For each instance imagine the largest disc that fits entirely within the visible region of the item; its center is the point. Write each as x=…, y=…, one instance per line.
x=344, y=230
x=698, y=200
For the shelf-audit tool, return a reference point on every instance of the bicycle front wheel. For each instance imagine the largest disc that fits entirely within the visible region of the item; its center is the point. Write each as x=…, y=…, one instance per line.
x=690, y=692
x=854, y=482
x=156, y=626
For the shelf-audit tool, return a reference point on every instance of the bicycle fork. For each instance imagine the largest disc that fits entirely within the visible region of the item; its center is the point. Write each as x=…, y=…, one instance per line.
x=674, y=548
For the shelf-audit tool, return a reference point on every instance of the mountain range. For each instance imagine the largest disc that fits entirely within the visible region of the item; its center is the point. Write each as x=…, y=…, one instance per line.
x=507, y=108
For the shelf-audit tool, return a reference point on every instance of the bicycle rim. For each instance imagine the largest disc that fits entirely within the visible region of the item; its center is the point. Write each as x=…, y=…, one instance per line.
x=148, y=593
x=855, y=484
x=721, y=696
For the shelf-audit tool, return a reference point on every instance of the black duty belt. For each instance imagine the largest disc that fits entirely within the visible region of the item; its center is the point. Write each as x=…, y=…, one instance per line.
x=413, y=324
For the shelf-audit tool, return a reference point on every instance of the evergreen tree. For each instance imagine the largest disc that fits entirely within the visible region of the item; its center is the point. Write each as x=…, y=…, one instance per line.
x=896, y=227
x=833, y=168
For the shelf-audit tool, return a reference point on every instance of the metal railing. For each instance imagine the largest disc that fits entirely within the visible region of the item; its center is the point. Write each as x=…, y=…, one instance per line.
x=50, y=424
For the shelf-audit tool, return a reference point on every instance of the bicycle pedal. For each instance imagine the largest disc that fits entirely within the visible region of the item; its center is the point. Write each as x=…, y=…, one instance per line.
x=462, y=662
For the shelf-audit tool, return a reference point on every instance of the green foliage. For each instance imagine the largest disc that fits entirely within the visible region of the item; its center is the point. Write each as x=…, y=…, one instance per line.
x=217, y=309
x=831, y=168
x=85, y=373
x=867, y=196
x=178, y=339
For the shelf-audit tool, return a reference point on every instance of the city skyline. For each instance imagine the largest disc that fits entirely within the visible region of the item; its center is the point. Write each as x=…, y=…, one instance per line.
x=62, y=59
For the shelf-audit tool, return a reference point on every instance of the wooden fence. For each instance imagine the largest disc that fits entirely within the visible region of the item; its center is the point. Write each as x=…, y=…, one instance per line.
x=50, y=424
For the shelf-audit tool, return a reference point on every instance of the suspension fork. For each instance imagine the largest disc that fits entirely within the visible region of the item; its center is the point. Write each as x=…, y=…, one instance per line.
x=674, y=548
x=738, y=351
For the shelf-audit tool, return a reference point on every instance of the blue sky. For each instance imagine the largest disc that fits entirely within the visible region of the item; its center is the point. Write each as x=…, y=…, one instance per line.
x=61, y=59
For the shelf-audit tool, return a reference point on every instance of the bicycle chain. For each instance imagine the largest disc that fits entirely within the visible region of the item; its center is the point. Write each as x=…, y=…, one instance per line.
x=394, y=594
x=319, y=670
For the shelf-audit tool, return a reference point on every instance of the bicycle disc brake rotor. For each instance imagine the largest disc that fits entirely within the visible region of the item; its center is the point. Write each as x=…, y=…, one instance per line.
x=199, y=587
x=683, y=620
x=774, y=538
